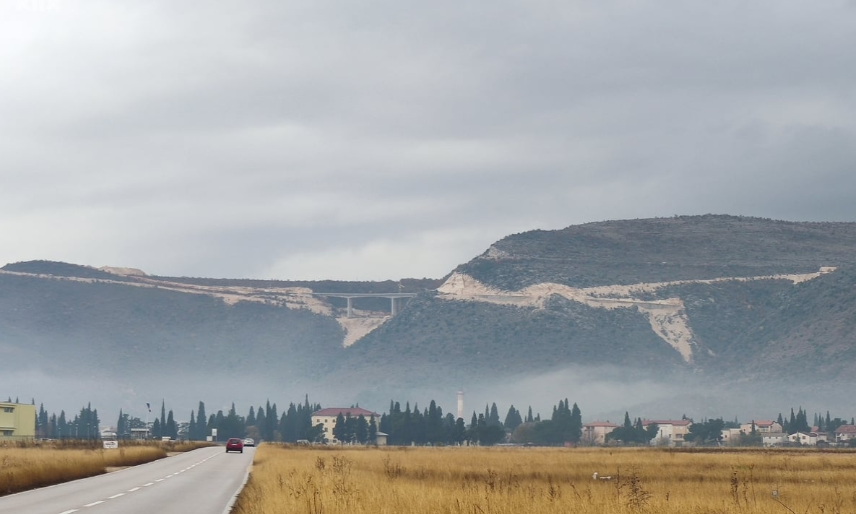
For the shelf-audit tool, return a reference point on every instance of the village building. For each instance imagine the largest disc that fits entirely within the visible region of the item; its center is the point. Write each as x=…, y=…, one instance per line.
x=803, y=439
x=845, y=433
x=774, y=438
x=731, y=435
x=669, y=432
x=17, y=421
x=761, y=427
x=327, y=418
x=596, y=432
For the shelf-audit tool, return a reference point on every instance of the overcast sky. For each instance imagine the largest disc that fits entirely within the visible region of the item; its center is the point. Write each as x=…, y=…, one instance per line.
x=382, y=139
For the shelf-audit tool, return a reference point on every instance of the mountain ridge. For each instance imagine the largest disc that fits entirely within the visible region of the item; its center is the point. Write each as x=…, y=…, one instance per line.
x=711, y=299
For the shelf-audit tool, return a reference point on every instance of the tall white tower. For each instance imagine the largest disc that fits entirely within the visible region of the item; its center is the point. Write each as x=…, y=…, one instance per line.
x=460, y=404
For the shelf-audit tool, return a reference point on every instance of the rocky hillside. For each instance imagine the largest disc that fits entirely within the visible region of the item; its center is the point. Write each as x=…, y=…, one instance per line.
x=713, y=298
x=709, y=296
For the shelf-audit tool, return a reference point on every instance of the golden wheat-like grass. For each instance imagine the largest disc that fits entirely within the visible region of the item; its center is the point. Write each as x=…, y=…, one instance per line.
x=29, y=465
x=521, y=480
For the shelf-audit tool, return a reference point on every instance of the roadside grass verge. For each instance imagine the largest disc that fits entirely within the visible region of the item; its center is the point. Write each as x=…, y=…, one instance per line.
x=524, y=480
x=28, y=465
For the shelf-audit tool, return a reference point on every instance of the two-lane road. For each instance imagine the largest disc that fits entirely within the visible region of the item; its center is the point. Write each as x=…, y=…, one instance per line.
x=199, y=482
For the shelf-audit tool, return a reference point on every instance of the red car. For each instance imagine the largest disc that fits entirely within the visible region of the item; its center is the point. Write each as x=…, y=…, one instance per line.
x=234, y=445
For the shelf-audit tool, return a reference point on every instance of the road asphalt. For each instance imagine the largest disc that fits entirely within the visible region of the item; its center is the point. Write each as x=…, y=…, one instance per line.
x=203, y=481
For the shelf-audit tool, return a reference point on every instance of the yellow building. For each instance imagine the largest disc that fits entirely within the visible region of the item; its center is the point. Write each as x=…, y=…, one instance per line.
x=17, y=421
x=327, y=417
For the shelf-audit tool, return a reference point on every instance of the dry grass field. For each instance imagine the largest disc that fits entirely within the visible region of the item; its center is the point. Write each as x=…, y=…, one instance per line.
x=29, y=465
x=521, y=480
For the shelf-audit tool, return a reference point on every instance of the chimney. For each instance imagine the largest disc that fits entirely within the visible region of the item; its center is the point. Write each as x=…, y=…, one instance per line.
x=461, y=404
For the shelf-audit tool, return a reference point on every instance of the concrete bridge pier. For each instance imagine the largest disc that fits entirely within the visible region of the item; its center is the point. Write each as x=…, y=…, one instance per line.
x=350, y=307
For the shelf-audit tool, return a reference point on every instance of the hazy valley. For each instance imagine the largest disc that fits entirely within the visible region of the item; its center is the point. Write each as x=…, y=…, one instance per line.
x=706, y=315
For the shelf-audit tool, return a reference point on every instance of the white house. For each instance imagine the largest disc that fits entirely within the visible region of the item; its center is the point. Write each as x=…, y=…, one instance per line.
x=774, y=438
x=670, y=432
x=762, y=426
x=803, y=438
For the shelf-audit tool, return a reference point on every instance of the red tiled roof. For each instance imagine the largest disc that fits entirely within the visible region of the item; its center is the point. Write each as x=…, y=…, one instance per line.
x=354, y=412
x=763, y=423
x=846, y=429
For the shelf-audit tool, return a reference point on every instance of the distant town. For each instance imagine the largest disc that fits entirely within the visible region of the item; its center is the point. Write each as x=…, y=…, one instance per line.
x=308, y=423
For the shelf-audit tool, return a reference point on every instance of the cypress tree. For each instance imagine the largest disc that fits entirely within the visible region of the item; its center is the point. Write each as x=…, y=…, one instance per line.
x=576, y=424
x=512, y=419
x=493, y=420
x=192, y=433
x=171, y=429
x=372, y=436
x=361, y=430
x=261, y=421
x=121, y=425
x=201, y=425
x=62, y=425
x=340, y=430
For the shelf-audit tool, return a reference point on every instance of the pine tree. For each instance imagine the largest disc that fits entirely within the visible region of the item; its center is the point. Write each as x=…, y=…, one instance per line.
x=529, y=418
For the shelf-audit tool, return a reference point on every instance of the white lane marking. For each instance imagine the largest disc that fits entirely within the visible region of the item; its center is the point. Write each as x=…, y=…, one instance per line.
x=94, y=503
x=68, y=511
x=159, y=480
x=115, y=496
x=150, y=483
x=134, y=489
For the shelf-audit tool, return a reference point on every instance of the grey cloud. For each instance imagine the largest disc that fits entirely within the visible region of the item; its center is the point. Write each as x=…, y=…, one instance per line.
x=241, y=136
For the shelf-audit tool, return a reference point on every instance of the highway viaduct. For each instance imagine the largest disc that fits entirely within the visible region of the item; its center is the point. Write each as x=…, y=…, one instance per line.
x=350, y=298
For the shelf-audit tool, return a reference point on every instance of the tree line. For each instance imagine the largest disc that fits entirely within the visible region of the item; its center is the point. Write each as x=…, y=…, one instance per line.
x=431, y=427
x=402, y=426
